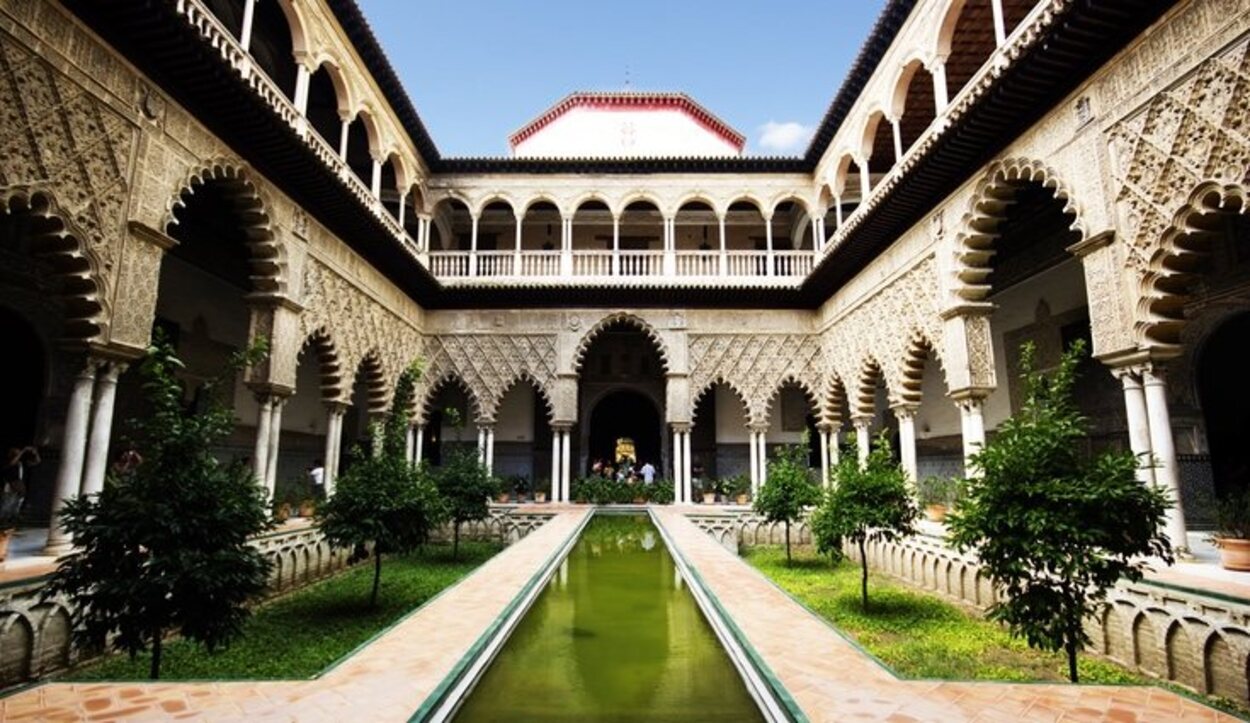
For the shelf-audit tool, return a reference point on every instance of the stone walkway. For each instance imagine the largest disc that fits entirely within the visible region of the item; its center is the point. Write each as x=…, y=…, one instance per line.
x=386, y=681
x=832, y=680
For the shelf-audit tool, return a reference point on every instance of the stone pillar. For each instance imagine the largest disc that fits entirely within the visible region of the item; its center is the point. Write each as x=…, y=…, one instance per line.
x=723, y=269
x=565, y=452
x=837, y=212
x=260, y=453
x=473, y=247
x=249, y=15
x=555, y=466
x=824, y=455
x=516, y=254
x=755, y=463
x=73, y=452
x=898, y=140
x=686, y=466
x=334, y=439
x=616, y=245
x=408, y=443
x=101, y=428
x=481, y=445
x=906, y=416
x=678, y=483
x=940, y=96
x=490, y=450
x=670, y=247
x=1000, y=27
x=770, y=268
x=863, y=436
x=419, y=453
x=375, y=180
x=865, y=182
x=972, y=424
x=302, y=77
x=1164, y=451
x=275, y=436
x=1138, y=422
x=344, y=134
x=566, y=247
x=835, y=452
x=762, y=454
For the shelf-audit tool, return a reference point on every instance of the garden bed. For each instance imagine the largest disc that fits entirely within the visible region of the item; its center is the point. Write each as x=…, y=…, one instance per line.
x=919, y=635
x=301, y=634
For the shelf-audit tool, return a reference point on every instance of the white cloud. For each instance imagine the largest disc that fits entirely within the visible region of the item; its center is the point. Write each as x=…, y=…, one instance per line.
x=787, y=137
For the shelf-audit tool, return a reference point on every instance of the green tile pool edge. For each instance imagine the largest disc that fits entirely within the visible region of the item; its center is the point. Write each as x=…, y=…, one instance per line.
x=438, y=696
x=329, y=668
x=776, y=687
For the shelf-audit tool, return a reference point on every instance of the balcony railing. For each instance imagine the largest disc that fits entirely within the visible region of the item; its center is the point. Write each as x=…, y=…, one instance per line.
x=783, y=266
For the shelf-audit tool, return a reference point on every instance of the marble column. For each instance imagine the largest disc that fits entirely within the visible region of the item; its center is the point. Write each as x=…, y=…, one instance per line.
x=73, y=453
x=334, y=436
x=678, y=484
x=1138, y=422
x=260, y=453
x=490, y=450
x=761, y=456
x=686, y=466
x=481, y=445
x=419, y=446
x=835, y=451
x=555, y=466
x=409, y=441
x=824, y=455
x=972, y=425
x=1000, y=27
x=101, y=428
x=1163, y=449
x=863, y=437
x=906, y=416
x=275, y=436
x=755, y=464
x=940, y=96
x=565, y=452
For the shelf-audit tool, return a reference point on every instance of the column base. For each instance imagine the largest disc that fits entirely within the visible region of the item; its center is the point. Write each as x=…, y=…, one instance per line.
x=59, y=548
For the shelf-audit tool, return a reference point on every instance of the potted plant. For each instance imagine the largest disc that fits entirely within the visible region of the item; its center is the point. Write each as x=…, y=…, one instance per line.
x=708, y=487
x=662, y=492
x=503, y=495
x=1232, y=533
x=281, y=510
x=540, y=492
x=936, y=494
x=307, y=507
x=521, y=486
x=580, y=490
x=640, y=493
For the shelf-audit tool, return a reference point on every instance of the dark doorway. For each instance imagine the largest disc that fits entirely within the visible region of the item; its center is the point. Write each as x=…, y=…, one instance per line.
x=1226, y=404
x=26, y=375
x=625, y=414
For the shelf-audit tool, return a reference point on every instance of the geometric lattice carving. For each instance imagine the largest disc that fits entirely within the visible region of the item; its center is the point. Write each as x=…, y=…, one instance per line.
x=487, y=365
x=756, y=366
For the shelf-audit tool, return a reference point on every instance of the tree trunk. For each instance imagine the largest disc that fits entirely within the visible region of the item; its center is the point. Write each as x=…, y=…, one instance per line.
x=455, y=540
x=155, y=672
x=787, y=543
x=377, y=574
x=1071, y=646
x=863, y=579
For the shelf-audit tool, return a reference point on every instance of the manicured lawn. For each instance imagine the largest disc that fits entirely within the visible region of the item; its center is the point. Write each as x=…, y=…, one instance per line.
x=921, y=635
x=299, y=635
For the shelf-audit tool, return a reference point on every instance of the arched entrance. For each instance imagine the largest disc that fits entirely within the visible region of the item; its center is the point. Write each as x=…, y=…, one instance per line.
x=625, y=413
x=1226, y=404
x=26, y=381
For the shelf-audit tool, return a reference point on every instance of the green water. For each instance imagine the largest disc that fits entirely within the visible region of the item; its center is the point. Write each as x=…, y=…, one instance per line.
x=614, y=637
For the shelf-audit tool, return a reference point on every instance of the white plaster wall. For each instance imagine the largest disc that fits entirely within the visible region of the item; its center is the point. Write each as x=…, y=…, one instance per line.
x=731, y=417
x=938, y=416
x=515, y=420
x=606, y=133
x=304, y=411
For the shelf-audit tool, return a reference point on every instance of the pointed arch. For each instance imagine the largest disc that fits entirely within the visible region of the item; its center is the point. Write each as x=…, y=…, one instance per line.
x=371, y=372
x=540, y=389
x=991, y=201
x=833, y=400
x=697, y=395
x=266, y=255
x=864, y=400
x=617, y=319
x=54, y=238
x=810, y=392
x=919, y=353
x=429, y=392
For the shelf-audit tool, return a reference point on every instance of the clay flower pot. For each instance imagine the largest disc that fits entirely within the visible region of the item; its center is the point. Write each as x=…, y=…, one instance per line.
x=540, y=496
x=4, y=543
x=741, y=499
x=307, y=508
x=935, y=513
x=1234, y=553
x=709, y=498
x=501, y=497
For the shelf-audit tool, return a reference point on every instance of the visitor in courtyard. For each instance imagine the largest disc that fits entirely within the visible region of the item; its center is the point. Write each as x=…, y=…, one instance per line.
x=14, y=478
x=317, y=477
x=126, y=462
x=648, y=473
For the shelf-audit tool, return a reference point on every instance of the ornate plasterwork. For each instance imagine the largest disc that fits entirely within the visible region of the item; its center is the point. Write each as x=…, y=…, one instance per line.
x=886, y=328
x=619, y=317
x=487, y=366
x=1189, y=142
x=62, y=143
x=756, y=366
x=357, y=325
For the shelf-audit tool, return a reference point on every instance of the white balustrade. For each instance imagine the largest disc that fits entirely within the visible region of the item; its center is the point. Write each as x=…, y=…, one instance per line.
x=540, y=263
x=792, y=263
x=592, y=263
x=494, y=263
x=748, y=263
x=698, y=263
x=449, y=263
x=642, y=263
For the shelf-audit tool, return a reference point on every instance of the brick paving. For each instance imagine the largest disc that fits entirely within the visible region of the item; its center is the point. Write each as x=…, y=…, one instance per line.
x=832, y=680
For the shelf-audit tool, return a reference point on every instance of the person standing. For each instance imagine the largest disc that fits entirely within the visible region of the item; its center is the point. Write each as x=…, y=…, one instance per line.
x=648, y=473
x=317, y=477
x=15, y=478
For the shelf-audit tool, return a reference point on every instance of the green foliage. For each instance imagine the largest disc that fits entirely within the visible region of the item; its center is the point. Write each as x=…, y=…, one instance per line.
x=788, y=489
x=662, y=492
x=291, y=491
x=296, y=636
x=868, y=503
x=1232, y=515
x=382, y=500
x=739, y=484
x=164, y=547
x=1054, y=528
x=520, y=484
x=603, y=491
x=935, y=490
x=466, y=487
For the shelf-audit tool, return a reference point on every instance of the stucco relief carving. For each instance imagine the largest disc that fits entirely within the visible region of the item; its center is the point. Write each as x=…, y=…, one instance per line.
x=356, y=323
x=756, y=366
x=57, y=136
x=488, y=365
x=883, y=327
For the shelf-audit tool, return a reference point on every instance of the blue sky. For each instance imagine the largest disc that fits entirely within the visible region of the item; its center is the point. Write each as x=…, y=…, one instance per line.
x=477, y=70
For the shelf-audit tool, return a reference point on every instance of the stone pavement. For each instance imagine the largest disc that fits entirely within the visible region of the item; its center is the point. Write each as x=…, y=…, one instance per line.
x=385, y=681
x=832, y=680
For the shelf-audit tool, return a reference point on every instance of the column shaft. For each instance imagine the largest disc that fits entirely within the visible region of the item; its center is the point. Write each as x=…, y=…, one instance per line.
x=419, y=453
x=863, y=438
x=275, y=436
x=1138, y=422
x=755, y=465
x=555, y=467
x=260, y=453
x=101, y=428
x=907, y=442
x=73, y=453
x=824, y=458
x=678, y=483
x=565, y=453
x=973, y=426
x=1164, y=451
x=686, y=466
x=490, y=450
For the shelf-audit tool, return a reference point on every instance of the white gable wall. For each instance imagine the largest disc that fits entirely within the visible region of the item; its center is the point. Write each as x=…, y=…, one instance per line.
x=584, y=132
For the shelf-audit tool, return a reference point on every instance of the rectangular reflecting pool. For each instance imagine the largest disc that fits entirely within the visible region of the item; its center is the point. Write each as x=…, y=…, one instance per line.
x=615, y=636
